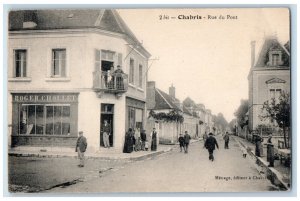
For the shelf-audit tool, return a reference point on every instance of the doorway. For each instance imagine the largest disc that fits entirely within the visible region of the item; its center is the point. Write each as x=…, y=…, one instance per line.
x=107, y=113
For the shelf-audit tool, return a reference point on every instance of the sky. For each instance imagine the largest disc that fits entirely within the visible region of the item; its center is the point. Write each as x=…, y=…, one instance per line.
x=205, y=59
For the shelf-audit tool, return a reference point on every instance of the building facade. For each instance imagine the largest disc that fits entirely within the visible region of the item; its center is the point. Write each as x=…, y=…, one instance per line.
x=269, y=76
x=63, y=77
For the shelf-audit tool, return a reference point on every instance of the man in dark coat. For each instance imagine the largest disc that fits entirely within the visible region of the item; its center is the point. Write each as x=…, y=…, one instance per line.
x=143, y=139
x=181, y=142
x=226, y=139
x=187, y=139
x=81, y=146
x=270, y=151
x=153, y=137
x=106, y=129
x=210, y=145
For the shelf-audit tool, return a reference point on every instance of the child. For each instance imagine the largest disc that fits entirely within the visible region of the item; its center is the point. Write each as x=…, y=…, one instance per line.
x=146, y=145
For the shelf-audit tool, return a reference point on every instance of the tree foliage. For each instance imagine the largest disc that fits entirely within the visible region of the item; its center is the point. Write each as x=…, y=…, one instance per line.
x=219, y=120
x=173, y=115
x=278, y=111
x=240, y=113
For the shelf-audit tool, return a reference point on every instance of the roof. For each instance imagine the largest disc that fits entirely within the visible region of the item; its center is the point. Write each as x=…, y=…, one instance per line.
x=164, y=101
x=104, y=19
x=270, y=44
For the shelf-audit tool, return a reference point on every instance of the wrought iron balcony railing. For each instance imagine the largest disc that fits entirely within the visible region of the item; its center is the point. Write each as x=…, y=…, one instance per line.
x=110, y=82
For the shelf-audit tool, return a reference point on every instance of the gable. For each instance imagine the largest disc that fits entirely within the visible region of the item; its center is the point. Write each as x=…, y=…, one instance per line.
x=109, y=22
x=275, y=80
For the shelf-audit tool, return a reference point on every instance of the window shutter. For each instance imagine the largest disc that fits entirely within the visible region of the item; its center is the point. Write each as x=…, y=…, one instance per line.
x=120, y=59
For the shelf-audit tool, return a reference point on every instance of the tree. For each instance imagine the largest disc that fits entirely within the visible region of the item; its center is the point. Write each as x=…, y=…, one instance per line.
x=240, y=113
x=278, y=111
x=220, y=121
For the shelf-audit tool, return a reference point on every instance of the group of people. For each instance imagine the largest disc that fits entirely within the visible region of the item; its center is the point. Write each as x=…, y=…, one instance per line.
x=184, y=142
x=137, y=140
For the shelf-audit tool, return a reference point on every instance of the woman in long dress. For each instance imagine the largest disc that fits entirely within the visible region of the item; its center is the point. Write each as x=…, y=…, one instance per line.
x=153, y=140
x=129, y=141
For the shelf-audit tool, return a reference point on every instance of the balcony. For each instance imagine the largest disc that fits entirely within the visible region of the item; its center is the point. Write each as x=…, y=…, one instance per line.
x=105, y=82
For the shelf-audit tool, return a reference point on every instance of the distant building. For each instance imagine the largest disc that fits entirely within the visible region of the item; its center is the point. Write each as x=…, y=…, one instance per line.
x=161, y=102
x=269, y=76
x=63, y=77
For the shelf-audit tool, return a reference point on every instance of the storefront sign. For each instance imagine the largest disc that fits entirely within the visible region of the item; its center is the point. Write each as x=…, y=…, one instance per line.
x=45, y=98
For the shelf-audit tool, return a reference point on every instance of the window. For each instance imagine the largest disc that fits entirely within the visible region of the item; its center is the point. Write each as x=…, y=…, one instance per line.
x=131, y=71
x=58, y=68
x=275, y=94
x=140, y=76
x=275, y=59
x=44, y=119
x=20, y=61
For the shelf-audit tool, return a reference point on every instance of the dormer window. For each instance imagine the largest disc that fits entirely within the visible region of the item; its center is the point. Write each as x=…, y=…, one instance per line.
x=275, y=58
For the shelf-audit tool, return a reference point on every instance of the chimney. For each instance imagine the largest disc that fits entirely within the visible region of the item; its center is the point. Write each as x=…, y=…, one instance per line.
x=172, y=91
x=252, y=53
x=150, y=95
x=30, y=19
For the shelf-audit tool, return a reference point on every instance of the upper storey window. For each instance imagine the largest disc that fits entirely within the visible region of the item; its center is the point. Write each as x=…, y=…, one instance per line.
x=58, y=68
x=20, y=63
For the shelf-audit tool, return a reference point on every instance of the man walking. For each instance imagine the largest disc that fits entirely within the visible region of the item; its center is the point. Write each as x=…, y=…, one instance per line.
x=187, y=138
x=226, y=139
x=210, y=145
x=81, y=145
x=106, y=133
x=181, y=142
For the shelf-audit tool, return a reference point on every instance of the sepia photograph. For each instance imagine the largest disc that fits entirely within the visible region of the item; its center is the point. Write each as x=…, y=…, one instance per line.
x=148, y=100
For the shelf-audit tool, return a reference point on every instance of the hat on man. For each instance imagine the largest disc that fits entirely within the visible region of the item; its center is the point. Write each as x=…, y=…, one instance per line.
x=210, y=134
x=80, y=132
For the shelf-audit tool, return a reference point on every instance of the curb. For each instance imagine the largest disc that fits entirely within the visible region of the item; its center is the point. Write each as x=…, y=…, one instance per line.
x=137, y=158
x=272, y=174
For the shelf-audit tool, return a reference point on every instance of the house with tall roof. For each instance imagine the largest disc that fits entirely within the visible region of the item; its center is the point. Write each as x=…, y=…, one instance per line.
x=163, y=104
x=69, y=71
x=269, y=76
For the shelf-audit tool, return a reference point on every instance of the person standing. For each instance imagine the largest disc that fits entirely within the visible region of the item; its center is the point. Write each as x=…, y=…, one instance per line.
x=129, y=141
x=81, y=146
x=226, y=139
x=210, y=144
x=270, y=151
x=187, y=139
x=181, y=142
x=153, y=137
x=143, y=139
x=258, y=146
x=137, y=146
x=106, y=129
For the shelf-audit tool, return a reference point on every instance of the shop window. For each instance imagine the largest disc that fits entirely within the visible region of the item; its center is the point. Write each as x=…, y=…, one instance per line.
x=58, y=68
x=20, y=63
x=44, y=119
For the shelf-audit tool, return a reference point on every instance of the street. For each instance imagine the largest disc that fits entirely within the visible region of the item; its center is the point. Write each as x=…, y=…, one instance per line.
x=180, y=172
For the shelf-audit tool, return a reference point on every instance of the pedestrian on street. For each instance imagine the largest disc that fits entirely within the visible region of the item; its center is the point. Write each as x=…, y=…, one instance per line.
x=187, y=139
x=181, y=142
x=106, y=129
x=138, y=143
x=270, y=151
x=81, y=146
x=143, y=139
x=258, y=145
x=226, y=139
x=205, y=136
x=129, y=141
x=210, y=145
x=153, y=137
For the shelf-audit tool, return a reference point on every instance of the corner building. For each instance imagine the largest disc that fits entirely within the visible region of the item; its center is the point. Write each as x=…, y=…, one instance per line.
x=63, y=78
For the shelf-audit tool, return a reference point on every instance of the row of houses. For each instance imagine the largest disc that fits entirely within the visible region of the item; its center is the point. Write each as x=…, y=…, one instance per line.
x=70, y=70
x=195, y=119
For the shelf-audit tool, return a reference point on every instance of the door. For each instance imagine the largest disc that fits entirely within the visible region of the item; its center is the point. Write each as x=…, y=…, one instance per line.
x=107, y=113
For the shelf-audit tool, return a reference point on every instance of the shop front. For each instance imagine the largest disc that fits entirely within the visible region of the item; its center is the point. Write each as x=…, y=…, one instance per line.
x=135, y=113
x=44, y=119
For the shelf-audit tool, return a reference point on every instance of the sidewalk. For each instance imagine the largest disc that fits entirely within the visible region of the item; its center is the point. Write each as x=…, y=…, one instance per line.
x=102, y=154
x=278, y=175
